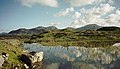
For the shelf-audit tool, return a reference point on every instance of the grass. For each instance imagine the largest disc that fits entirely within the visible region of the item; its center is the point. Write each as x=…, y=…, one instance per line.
x=13, y=48
x=79, y=38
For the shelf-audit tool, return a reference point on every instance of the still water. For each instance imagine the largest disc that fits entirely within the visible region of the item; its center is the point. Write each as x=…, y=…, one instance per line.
x=72, y=57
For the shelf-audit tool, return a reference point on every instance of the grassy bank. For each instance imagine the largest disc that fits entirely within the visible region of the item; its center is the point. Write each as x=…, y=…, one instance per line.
x=76, y=38
x=13, y=48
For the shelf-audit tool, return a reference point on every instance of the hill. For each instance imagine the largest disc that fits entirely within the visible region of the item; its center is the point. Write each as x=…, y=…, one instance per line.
x=89, y=27
x=37, y=30
x=109, y=29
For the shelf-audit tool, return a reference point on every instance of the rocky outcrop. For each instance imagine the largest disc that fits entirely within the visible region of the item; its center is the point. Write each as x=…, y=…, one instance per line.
x=30, y=58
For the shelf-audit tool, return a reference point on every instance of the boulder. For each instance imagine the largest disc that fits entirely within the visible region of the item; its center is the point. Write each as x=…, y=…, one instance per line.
x=1, y=61
x=25, y=58
x=30, y=58
x=116, y=44
x=36, y=56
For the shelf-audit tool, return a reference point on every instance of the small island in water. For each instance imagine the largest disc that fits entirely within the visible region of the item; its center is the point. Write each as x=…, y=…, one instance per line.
x=90, y=46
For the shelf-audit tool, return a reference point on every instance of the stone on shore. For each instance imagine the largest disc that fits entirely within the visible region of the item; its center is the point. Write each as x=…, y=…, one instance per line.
x=36, y=56
x=116, y=44
x=1, y=61
x=30, y=58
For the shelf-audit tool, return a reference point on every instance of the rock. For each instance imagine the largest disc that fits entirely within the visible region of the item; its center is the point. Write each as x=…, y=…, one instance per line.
x=30, y=58
x=26, y=67
x=24, y=58
x=116, y=44
x=16, y=68
x=36, y=56
x=1, y=61
x=39, y=65
x=5, y=55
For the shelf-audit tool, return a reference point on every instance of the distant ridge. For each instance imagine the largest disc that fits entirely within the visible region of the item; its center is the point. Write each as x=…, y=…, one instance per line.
x=37, y=30
x=112, y=28
x=89, y=27
x=3, y=33
x=41, y=29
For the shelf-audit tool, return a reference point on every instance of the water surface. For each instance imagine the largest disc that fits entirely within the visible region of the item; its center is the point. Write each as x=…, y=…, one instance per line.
x=59, y=57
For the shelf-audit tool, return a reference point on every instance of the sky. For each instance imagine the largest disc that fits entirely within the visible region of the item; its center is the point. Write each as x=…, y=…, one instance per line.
x=16, y=14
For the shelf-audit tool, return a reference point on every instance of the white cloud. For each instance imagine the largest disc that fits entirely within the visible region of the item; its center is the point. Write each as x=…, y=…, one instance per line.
x=101, y=10
x=94, y=15
x=104, y=1
x=54, y=3
x=113, y=19
x=77, y=23
x=77, y=15
x=64, y=12
x=118, y=12
x=105, y=8
x=77, y=3
x=30, y=3
x=111, y=1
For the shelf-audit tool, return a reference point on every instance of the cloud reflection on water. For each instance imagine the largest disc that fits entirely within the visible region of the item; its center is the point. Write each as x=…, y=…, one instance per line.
x=77, y=57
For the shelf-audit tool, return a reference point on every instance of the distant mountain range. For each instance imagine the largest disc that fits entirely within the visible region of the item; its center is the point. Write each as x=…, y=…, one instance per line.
x=3, y=33
x=37, y=30
x=41, y=29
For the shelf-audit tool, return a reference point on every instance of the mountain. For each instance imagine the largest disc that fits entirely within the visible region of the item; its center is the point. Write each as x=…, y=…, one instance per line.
x=3, y=33
x=37, y=30
x=89, y=27
x=51, y=28
x=112, y=28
